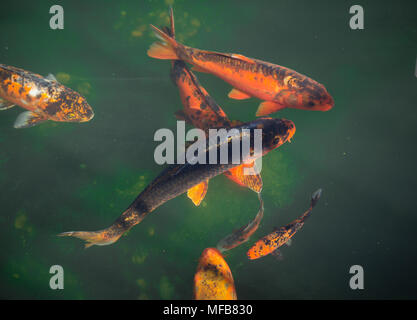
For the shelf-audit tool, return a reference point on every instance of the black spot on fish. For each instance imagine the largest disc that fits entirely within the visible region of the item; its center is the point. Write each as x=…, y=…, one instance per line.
x=211, y=267
x=53, y=108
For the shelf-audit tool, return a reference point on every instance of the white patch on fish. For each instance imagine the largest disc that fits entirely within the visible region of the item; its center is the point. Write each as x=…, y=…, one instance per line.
x=34, y=92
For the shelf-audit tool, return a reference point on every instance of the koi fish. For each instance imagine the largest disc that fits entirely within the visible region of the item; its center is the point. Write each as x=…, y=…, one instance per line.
x=213, y=279
x=204, y=113
x=178, y=178
x=279, y=87
x=242, y=234
x=271, y=242
x=44, y=98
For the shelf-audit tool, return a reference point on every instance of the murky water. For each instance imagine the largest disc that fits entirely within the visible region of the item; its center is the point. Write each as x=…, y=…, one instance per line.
x=60, y=176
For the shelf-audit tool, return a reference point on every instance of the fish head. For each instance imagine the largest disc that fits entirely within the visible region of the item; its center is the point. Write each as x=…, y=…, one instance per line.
x=77, y=110
x=213, y=279
x=276, y=132
x=304, y=93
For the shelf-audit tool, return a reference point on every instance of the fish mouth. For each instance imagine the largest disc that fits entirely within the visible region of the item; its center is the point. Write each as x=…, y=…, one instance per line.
x=88, y=118
x=327, y=104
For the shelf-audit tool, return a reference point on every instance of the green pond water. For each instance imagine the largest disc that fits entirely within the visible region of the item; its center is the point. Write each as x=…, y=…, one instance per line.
x=58, y=177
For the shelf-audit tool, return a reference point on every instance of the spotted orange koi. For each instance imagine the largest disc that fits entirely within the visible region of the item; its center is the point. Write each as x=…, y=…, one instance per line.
x=271, y=242
x=204, y=113
x=213, y=279
x=44, y=98
x=279, y=87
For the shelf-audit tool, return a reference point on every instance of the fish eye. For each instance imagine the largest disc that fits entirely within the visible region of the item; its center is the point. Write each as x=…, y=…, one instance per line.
x=293, y=83
x=276, y=140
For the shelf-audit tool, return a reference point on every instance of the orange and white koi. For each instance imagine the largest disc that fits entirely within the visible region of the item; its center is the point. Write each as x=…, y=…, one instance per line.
x=44, y=98
x=279, y=87
x=271, y=242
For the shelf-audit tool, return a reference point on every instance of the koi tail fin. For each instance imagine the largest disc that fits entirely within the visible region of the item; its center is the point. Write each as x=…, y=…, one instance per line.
x=171, y=29
x=315, y=197
x=107, y=236
x=99, y=238
x=166, y=48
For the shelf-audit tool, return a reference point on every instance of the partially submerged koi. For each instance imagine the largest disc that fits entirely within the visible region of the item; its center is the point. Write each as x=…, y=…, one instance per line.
x=213, y=279
x=242, y=234
x=279, y=87
x=271, y=242
x=44, y=98
x=178, y=178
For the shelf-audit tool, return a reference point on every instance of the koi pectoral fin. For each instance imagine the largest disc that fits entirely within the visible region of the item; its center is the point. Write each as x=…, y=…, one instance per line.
x=238, y=95
x=4, y=104
x=198, y=192
x=268, y=107
x=247, y=176
x=28, y=119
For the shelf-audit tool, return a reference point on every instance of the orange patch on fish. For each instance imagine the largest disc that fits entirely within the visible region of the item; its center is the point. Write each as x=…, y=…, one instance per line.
x=198, y=192
x=45, y=98
x=213, y=279
x=284, y=87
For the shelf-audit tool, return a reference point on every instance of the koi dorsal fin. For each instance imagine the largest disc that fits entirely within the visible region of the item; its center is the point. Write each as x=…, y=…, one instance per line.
x=251, y=179
x=242, y=57
x=51, y=77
